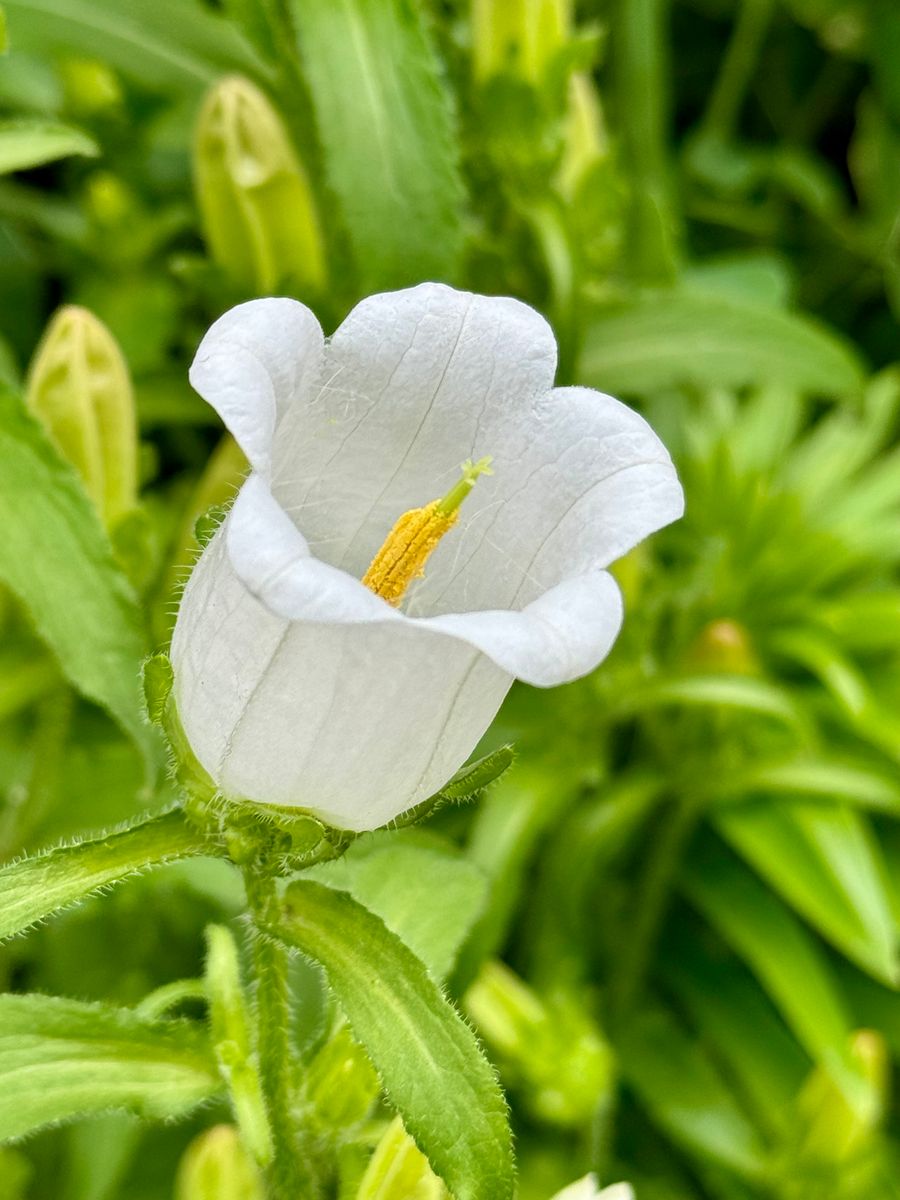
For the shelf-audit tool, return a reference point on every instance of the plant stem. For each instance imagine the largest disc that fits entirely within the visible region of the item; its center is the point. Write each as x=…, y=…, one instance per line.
x=737, y=68
x=641, y=88
x=292, y=1174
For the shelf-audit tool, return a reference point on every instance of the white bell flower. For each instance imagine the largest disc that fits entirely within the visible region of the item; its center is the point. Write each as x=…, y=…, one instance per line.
x=299, y=684
x=586, y=1189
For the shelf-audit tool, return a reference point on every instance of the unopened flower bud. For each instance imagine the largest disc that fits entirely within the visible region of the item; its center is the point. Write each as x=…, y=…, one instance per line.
x=724, y=645
x=519, y=37
x=80, y=390
x=398, y=1170
x=257, y=209
x=549, y=1048
x=587, y=1189
x=91, y=86
x=585, y=141
x=340, y=1083
x=217, y=1167
x=836, y=1132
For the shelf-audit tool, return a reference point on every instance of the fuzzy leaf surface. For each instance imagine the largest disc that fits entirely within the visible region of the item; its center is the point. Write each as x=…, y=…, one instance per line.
x=442, y=896
x=32, y=889
x=61, y=1059
x=429, y=1061
x=387, y=134
x=56, y=558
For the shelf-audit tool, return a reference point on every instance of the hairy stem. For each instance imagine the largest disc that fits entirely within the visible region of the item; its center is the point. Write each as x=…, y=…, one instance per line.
x=641, y=90
x=292, y=1174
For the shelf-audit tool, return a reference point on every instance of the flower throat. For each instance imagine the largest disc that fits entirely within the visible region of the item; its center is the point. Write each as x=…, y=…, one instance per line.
x=415, y=536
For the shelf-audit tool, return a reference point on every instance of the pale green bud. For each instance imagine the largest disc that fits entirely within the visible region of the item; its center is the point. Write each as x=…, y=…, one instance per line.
x=724, y=645
x=548, y=26
x=547, y=1047
x=398, y=1170
x=91, y=86
x=585, y=141
x=518, y=37
x=341, y=1083
x=217, y=1167
x=836, y=1132
x=257, y=209
x=109, y=200
x=80, y=390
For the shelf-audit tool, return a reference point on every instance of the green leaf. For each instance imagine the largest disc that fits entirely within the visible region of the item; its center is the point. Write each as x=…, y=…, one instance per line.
x=758, y=276
x=465, y=785
x=386, y=128
x=427, y=1057
x=825, y=778
x=824, y=861
x=740, y=692
x=475, y=777
x=784, y=958
x=441, y=897
x=738, y=1020
x=32, y=889
x=4, y=36
x=686, y=1096
x=32, y=141
x=56, y=557
x=667, y=340
x=61, y=1059
x=161, y=43
x=866, y=620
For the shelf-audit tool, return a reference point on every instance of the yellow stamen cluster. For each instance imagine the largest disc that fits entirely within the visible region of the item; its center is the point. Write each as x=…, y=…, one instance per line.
x=416, y=535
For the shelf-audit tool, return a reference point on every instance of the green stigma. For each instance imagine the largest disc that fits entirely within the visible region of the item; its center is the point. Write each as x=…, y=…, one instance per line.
x=470, y=473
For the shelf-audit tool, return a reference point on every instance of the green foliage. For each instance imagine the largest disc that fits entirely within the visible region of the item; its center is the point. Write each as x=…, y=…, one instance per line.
x=712, y=341
x=32, y=889
x=61, y=1059
x=162, y=45
x=30, y=142
x=387, y=136
x=413, y=1036
x=442, y=897
x=58, y=561
x=233, y=1043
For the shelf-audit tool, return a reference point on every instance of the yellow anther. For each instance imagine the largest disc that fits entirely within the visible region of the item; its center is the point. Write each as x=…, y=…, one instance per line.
x=415, y=536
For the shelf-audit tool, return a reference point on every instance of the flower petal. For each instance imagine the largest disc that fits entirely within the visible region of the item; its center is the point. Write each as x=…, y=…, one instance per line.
x=587, y=1189
x=561, y=635
x=358, y=723
x=273, y=560
x=412, y=384
x=252, y=366
x=355, y=721
x=591, y=480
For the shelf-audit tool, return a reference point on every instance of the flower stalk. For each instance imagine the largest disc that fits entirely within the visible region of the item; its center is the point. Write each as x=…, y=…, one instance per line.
x=291, y=1172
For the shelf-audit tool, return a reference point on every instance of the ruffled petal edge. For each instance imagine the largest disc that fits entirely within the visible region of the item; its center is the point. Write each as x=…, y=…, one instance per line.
x=563, y=634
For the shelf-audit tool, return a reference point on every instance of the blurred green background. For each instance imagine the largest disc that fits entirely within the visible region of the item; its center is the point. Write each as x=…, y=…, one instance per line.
x=679, y=918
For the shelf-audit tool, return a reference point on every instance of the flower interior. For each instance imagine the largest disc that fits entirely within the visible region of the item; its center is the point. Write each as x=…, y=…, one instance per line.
x=415, y=536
